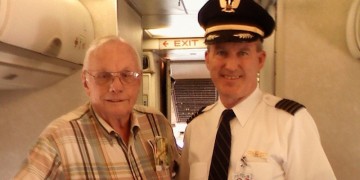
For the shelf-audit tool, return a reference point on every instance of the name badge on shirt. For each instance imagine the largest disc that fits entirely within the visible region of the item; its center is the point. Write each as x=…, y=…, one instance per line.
x=160, y=149
x=243, y=170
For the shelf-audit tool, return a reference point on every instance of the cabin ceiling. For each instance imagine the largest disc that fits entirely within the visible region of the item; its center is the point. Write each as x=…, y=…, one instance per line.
x=156, y=13
x=159, y=13
x=162, y=13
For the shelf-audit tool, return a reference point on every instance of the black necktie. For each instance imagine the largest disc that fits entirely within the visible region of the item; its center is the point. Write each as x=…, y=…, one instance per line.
x=221, y=153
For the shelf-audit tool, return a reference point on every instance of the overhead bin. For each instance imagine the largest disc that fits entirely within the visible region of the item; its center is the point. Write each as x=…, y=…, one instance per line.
x=59, y=28
x=49, y=37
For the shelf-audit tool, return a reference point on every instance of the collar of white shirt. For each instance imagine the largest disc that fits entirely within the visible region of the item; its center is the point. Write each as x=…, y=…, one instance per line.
x=245, y=108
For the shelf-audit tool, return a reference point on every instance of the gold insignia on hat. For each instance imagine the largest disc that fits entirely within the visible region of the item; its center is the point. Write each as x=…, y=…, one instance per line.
x=229, y=5
x=244, y=35
x=212, y=37
x=234, y=27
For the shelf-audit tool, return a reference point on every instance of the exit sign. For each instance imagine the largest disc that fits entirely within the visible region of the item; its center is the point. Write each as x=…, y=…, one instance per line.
x=193, y=43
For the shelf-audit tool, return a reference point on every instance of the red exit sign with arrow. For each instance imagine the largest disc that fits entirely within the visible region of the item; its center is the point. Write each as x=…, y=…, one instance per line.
x=193, y=43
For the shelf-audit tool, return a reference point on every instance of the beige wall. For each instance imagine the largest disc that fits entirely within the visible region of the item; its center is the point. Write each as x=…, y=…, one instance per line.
x=129, y=25
x=314, y=67
x=25, y=113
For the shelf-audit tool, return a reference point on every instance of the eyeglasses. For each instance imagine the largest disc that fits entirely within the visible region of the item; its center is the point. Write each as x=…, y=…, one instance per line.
x=126, y=77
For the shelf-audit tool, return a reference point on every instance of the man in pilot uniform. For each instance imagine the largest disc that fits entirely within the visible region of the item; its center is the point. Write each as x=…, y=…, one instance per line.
x=261, y=136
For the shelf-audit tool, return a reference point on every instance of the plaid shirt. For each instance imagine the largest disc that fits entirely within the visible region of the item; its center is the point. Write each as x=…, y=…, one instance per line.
x=79, y=145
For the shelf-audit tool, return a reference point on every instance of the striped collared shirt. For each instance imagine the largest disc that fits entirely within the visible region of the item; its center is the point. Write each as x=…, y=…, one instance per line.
x=79, y=145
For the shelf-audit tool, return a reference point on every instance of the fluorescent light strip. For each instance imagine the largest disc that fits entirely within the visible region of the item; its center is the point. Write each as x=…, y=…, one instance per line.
x=175, y=32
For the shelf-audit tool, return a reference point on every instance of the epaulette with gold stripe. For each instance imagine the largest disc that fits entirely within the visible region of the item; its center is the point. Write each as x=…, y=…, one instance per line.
x=195, y=114
x=289, y=106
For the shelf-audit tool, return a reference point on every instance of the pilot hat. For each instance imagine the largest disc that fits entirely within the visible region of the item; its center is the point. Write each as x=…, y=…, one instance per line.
x=234, y=21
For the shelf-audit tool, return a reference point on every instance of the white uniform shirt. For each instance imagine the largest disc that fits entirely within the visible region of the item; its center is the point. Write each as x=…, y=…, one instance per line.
x=277, y=145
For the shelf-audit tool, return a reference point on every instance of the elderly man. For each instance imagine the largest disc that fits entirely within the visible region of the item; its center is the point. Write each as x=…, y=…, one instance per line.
x=110, y=137
x=247, y=134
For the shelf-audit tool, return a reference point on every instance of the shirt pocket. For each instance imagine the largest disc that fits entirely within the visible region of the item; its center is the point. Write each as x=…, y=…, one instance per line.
x=261, y=170
x=198, y=171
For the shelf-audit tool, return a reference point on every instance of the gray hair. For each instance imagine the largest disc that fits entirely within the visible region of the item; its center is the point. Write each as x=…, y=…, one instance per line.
x=102, y=40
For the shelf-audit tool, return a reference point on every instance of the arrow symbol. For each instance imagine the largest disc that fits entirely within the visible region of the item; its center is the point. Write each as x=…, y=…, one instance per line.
x=165, y=43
